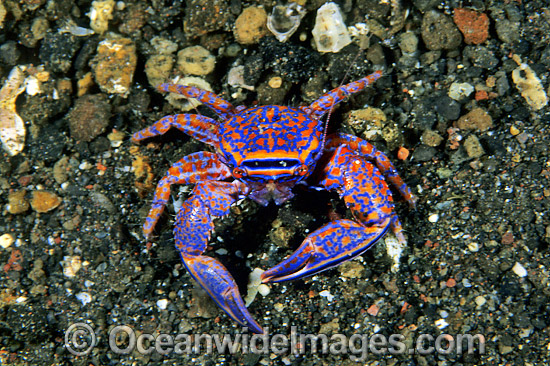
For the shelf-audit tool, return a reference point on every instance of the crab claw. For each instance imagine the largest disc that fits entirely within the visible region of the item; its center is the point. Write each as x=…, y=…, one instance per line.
x=220, y=285
x=327, y=247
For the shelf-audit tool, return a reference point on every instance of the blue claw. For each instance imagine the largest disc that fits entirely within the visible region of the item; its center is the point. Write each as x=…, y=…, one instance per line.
x=327, y=247
x=220, y=285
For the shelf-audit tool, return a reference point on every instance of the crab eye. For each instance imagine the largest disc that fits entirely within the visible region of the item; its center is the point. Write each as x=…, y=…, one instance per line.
x=239, y=172
x=302, y=170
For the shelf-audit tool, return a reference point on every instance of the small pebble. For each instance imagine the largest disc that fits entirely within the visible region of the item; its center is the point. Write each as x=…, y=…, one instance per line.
x=264, y=289
x=433, y=218
x=162, y=304
x=477, y=119
x=89, y=117
x=100, y=14
x=84, y=297
x=3, y=13
x=254, y=284
x=480, y=300
x=11, y=124
x=431, y=138
x=441, y=324
x=158, y=69
x=403, y=153
x=116, y=138
x=352, y=269
x=17, y=203
x=458, y=91
x=373, y=310
x=114, y=65
x=330, y=32
x=196, y=60
x=44, y=201
x=439, y=32
x=275, y=82
x=408, y=42
x=473, y=147
x=529, y=85
x=473, y=247
x=71, y=265
x=251, y=25
x=327, y=294
x=519, y=270
x=6, y=240
x=514, y=131
x=473, y=25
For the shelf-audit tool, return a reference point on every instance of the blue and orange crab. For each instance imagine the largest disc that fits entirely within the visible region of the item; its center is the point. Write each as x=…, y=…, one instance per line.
x=262, y=153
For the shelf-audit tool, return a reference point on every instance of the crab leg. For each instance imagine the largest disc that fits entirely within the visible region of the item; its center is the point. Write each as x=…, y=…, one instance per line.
x=223, y=108
x=322, y=105
x=192, y=168
x=199, y=127
x=192, y=231
x=362, y=186
x=381, y=161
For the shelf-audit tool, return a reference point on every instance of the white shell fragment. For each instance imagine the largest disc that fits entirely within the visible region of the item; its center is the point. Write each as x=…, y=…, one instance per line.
x=529, y=85
x=394, y=249
x=284, y=20
x=12, y=128
x=84, y=297
x=330, y=33
x=71, y=265
x=458, y=91
x=100, y=14
x=519, y=270
x=254, y=286
x=441, y=323
x=327, y=294
x=162, y=304
x=6, y=240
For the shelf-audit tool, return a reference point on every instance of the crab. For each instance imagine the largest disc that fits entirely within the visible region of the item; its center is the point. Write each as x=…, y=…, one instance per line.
x=262, y=153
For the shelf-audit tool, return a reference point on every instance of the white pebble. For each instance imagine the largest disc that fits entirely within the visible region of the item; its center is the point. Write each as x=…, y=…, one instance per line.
x=6, y=241
x=433, y=218
x=519, y=270
x=84, y=297
x=162, y=304
x=441, y=324
x=264, y=289
x=480, y=300
x=327, y=294
x=460, y=90
x=473, y=247
x=330, y=33
x=71, y=265
x=85, y=165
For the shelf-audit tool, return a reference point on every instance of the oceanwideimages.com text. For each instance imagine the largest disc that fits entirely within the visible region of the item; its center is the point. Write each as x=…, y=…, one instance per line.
x=80, y=339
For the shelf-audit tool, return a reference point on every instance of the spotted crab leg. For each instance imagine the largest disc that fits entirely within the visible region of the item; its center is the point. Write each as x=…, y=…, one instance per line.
x=199, y=127
x=192, y=231
x=192, y=168
x=223, y=108
x=322, y=105
x=353, y=172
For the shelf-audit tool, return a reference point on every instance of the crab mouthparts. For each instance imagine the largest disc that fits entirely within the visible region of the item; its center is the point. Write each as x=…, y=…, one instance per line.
x=265, y=192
